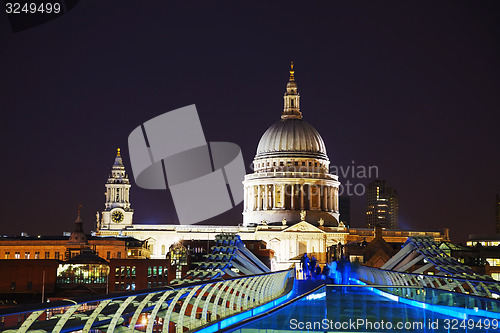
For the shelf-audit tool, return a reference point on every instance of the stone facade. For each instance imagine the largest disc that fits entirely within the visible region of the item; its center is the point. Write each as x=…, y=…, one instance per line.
x=290, y=200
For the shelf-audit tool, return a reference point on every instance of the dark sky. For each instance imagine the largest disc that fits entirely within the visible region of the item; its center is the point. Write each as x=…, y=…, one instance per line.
x=409, y=87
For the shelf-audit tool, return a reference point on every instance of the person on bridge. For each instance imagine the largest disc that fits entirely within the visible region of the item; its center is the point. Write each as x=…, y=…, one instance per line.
x=313, y=266
x=304, y=261
x=325, y=274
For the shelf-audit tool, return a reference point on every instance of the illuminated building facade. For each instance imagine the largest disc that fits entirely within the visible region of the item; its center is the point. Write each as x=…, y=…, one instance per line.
x=290, y=202
x=381, y=205
x=291, y=172
x=62, y=248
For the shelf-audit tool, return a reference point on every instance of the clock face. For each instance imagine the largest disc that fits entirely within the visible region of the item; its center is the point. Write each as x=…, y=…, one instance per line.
x=117, y=216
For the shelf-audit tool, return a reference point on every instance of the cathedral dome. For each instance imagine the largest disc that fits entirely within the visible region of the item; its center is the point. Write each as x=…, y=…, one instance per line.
x=291, y=137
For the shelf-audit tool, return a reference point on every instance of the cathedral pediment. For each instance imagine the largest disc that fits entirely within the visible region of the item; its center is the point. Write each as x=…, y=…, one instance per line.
x=303, y=227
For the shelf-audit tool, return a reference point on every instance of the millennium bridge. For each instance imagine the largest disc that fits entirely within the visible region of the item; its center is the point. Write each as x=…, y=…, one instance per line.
x=231, y=288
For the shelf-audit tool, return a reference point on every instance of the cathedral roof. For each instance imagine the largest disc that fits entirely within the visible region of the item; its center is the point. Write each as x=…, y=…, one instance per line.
x=291, y=136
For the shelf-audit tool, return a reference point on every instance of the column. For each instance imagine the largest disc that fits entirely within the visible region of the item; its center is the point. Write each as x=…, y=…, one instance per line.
x=328, y=195
x=283, y=196
x=265, y=197
x=259, y=198
x=325, y=196
x=273, y=196
x=309, y=197
x=336, y=199
x=254, y=199
x=292, y=196
x=332, y=198
x=318, y=192
x=301, y=189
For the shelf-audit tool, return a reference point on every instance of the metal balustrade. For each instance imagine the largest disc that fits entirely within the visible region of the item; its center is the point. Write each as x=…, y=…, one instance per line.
x=290, y=174
x=426, y=251
x=447, y=273
x=172, y=309
x=470, y=286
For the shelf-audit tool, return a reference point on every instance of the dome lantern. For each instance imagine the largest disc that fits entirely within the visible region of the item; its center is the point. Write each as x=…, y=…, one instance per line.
x=291, y=100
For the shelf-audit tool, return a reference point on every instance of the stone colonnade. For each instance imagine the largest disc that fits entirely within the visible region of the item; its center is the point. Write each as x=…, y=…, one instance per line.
x=291, y=197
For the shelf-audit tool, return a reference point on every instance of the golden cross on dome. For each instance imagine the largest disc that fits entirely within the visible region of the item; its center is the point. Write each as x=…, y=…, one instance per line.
x=292, y=72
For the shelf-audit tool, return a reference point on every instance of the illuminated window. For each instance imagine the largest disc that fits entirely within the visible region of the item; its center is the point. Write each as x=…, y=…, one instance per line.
x=354, y=258
x=160, y=271
x=26, y=255
x=117, y=273
x=7, y=255
x=47, y=255
x=178, y=256
x=155, y=271
x=56, y=255
x=37, y=255
x=493, y=261
x=133, y=271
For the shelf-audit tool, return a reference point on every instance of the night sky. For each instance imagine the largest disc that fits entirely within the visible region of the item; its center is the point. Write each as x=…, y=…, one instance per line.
x=409, y=87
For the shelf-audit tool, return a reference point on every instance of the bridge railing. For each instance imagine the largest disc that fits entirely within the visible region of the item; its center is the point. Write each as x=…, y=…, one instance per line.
x=469, y=285
x=175, y=308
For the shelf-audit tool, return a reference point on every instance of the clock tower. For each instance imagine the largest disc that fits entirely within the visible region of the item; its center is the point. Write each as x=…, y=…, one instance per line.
x=117, y=213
